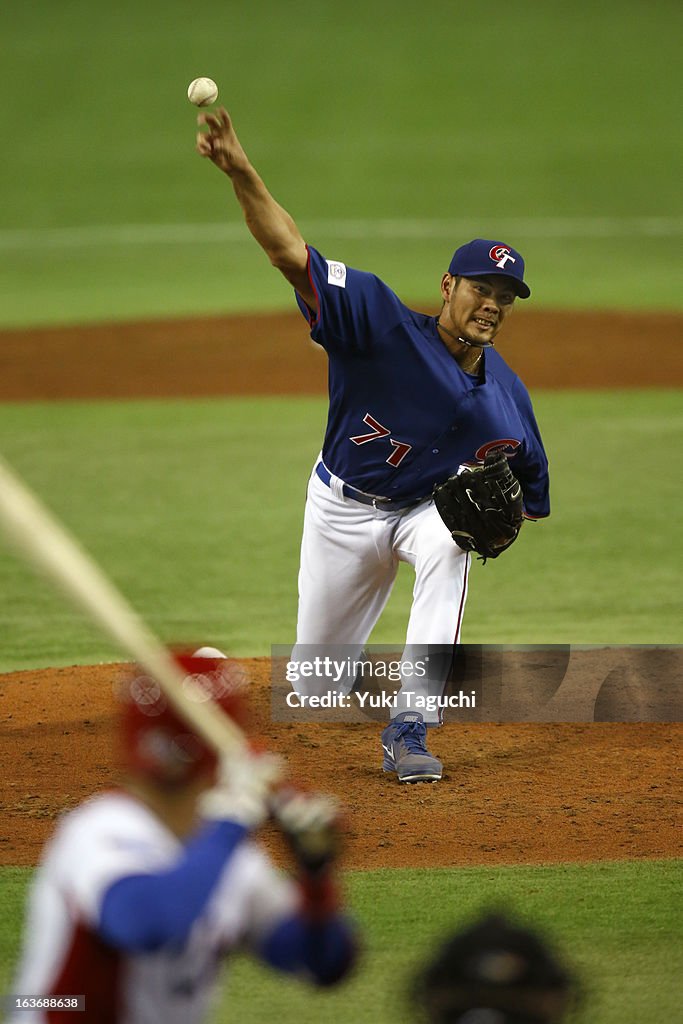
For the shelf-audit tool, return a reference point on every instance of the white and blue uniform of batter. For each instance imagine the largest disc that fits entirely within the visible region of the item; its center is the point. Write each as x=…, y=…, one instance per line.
x=403, y=416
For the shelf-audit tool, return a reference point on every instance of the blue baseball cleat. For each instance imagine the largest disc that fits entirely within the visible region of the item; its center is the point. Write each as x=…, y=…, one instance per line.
x=405, y=750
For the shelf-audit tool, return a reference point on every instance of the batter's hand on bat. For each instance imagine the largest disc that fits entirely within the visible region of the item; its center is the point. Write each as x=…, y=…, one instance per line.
x=220, y=143
x=243, y=788
x=311, y=824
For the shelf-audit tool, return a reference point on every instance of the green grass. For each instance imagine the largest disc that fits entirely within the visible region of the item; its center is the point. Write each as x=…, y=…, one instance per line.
x=550, y=124
x=180, y=501
x=116, y=282
x=195, y=509
x=616, y=923
x=13, y=890
x=605, y=563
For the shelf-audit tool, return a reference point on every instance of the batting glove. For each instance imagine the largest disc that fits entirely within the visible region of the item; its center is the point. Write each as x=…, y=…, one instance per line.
x=243, y=789
x=310, y=822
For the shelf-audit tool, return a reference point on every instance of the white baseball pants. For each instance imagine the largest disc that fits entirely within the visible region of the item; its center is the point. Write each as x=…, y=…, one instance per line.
x=349, y=560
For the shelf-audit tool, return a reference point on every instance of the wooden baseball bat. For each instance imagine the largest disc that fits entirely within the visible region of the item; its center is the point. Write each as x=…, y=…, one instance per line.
x=47, y=544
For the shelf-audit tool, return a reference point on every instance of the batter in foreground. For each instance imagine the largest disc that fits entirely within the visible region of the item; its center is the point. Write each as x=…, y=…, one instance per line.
x=414, y=399
x=143, y=891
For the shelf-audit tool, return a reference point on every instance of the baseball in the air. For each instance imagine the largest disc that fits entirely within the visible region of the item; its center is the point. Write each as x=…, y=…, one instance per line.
x=202, y=92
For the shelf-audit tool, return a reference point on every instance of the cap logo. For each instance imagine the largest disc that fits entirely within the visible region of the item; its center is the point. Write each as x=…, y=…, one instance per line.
x=500, y=254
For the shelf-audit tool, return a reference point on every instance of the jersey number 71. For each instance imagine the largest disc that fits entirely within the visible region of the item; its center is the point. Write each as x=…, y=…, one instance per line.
x=401, y=449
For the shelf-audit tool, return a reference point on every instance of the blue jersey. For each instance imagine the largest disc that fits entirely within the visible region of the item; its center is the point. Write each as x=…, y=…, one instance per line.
x=403, y=415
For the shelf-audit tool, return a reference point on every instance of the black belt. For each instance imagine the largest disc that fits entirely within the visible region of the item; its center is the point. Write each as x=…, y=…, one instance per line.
x=383, y=504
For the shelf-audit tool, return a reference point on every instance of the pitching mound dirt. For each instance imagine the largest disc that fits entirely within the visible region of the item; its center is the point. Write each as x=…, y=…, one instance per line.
x=515, y=794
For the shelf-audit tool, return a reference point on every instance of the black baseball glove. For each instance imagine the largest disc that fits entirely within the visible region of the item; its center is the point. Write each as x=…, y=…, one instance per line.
x=482, y=507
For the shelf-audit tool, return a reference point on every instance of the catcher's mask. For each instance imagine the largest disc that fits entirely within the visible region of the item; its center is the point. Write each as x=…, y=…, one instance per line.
x=156, y=740
x=494, y=972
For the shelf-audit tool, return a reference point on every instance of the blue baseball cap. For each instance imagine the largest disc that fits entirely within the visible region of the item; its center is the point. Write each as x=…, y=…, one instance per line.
x=483, y=256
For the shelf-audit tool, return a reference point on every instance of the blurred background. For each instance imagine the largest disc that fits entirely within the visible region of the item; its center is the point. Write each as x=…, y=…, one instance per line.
x=392, y=132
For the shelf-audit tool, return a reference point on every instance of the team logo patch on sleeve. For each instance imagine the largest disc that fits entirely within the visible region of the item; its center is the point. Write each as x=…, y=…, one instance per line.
x=336, y=273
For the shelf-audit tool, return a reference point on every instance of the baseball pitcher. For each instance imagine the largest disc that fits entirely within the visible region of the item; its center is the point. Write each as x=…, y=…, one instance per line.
x=431, y=451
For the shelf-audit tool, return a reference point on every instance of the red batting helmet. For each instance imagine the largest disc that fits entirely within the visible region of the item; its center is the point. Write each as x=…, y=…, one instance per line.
x=157, y=742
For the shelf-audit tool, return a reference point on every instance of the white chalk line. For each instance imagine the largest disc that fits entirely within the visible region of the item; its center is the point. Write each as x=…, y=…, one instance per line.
x=96, y=235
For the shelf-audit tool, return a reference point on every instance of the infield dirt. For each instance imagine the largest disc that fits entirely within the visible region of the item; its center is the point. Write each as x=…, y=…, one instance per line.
x=271, y=354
